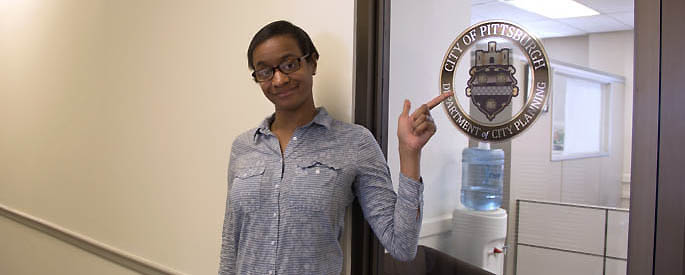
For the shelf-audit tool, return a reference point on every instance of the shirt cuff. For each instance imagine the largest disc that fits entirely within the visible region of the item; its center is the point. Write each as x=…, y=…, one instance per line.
x=410, y=191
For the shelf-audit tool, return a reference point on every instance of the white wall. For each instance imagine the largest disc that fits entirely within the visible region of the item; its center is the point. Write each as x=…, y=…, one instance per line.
x=572, y=49
x=613, y=52
x=583, y=180
x=610, y=52
x=595, y=181
x=117, y=118
x=420, y=34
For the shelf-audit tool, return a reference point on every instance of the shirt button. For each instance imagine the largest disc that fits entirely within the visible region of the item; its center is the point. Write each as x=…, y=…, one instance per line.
x=277, y=185
x=271, y=272
x=275, y=214
x=273, y=242
x=294, y=138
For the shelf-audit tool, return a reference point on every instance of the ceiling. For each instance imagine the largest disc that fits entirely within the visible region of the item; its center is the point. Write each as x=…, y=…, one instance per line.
x=615, y=15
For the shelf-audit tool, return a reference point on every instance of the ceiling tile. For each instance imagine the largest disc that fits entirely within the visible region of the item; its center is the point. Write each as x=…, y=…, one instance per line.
x=616, y=15
x=474, y=2
x=499, y=10
x=609, y=6
x=597, y=23
x=551, y=28
x=476, y=19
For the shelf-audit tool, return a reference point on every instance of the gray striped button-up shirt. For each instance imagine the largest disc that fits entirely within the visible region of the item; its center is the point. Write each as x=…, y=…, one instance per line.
x=285, y=213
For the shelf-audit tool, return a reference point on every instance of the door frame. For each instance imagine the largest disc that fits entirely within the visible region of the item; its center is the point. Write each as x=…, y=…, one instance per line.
x=372, y=57
x=656, y=241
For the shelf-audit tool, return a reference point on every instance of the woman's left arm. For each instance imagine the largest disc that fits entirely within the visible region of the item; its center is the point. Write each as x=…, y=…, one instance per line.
x=396, y=218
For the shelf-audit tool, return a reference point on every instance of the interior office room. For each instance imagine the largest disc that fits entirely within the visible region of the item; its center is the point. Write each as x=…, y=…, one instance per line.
x=117, y=118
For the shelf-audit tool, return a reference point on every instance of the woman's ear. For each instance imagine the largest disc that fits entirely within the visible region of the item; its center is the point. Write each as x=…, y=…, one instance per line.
x=314, y=60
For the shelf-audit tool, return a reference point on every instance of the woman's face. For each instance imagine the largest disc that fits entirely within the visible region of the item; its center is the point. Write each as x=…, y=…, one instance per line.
x=288, y=92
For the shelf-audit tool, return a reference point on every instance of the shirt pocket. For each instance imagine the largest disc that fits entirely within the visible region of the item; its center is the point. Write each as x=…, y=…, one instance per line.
x=314, y=186
x=246, y=189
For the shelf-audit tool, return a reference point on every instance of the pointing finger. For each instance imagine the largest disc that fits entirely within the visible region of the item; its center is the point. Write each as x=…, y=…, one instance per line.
x=435, y=101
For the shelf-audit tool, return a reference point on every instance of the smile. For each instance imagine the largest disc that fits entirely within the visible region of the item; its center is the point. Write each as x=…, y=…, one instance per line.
x=285, y=92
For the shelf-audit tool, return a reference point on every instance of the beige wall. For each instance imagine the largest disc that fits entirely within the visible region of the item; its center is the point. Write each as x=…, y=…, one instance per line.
x=32, y=252
x=117, y=119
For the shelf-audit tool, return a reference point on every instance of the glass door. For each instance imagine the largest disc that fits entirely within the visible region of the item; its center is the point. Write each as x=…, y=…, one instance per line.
x=565, y=179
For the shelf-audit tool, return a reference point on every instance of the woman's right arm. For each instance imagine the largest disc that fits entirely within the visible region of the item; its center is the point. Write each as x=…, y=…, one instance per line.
x=229, y=237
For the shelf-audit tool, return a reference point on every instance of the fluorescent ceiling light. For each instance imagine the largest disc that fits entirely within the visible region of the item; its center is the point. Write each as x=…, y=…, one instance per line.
x=553, y=8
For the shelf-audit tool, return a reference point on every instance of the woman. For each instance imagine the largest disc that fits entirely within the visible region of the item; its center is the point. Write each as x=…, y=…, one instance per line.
x=291, y=179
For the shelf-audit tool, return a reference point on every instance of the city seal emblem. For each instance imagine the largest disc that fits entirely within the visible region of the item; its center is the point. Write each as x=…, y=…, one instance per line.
x=492, y=53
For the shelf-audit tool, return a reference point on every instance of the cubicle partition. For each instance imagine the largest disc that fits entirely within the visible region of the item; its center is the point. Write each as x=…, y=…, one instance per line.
x=570, y=239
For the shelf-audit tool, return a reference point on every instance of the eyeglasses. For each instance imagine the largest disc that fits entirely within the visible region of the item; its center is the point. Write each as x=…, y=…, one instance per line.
x=288, y=66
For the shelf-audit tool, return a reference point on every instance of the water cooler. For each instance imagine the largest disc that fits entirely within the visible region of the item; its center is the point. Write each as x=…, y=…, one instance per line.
x=479, y=225
x=478, y=237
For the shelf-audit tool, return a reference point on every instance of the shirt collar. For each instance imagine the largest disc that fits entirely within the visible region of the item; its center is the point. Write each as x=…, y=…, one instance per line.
x=322, y=118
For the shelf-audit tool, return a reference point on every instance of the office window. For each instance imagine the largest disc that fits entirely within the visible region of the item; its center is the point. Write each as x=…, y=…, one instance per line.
x=580, y=113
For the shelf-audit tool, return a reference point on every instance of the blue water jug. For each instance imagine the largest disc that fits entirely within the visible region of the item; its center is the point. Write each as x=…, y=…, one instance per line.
x=482, y=176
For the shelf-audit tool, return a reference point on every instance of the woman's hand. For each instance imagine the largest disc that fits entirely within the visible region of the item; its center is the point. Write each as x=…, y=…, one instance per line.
x=413, y=132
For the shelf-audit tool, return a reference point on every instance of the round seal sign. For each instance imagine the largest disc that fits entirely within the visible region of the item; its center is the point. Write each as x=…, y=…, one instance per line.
x=492, y=82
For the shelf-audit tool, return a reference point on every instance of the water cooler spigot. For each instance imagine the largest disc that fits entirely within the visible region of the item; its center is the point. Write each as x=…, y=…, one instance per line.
x=502, y=250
